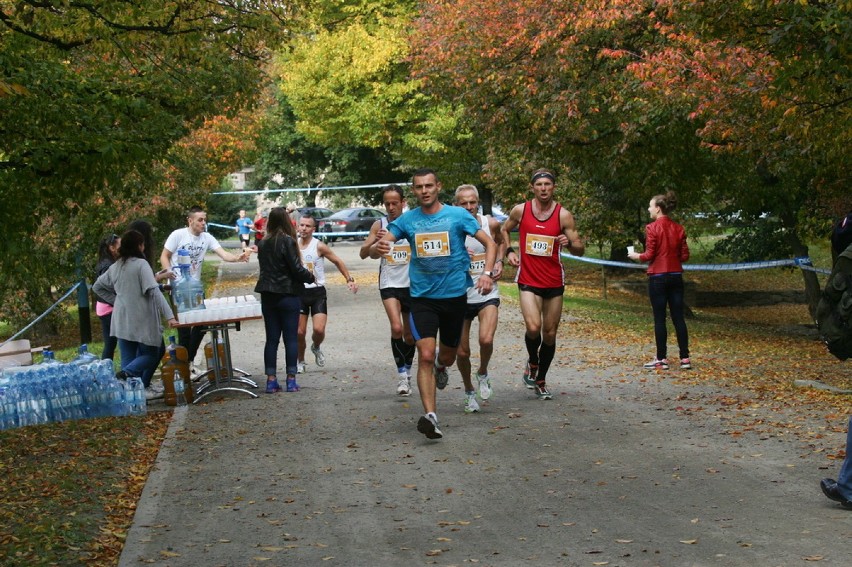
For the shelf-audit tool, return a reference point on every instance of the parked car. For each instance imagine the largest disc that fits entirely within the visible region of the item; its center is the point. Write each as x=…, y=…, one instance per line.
x=355, y=219
x=318, y=213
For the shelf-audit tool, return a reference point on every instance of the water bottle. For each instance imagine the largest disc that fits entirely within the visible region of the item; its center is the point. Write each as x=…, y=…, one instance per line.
x=7, y=420
x=10, y=407
x=41, y=405
x=24, y=405
x=180, y=389
x=84, y=356
x=138, y=404
x=48, y=358
x=115, y=392
x=85, y=386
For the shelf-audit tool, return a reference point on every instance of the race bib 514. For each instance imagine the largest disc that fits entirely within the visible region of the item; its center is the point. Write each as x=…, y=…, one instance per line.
x=432, y=244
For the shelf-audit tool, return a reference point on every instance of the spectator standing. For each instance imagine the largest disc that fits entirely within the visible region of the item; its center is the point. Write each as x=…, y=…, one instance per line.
x=544, y=229
x=144, y=228
x=138, y=305
x=665, y=251
x=840, y=490
x=107, y=254
x=260, y=226
x=280, y=285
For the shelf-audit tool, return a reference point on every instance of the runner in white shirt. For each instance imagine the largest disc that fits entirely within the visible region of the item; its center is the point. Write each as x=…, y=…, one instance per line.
x=394, y=287
x=315, y=298
x=479, y=306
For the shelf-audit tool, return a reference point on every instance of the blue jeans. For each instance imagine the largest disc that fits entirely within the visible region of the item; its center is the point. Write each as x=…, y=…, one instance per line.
x=139, y=359
x=281, y=319
x=667, y=289
x=844, y=481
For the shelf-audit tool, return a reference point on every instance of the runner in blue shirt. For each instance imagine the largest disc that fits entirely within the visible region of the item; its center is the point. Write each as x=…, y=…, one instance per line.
x=439, y=274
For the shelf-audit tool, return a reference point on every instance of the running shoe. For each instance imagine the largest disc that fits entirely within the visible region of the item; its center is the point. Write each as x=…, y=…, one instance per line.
x=685, y=364
x=542, y=392
x=657, y=364
x=272, y=386
x=151, y=394
x=485, y=390
x=442, y=377
x=428, y=426
x=530, y=374
x=300, y=367
x=291, y=384
x=158, y=386
x=404, y=386
x=318, y=355
x=470, y=405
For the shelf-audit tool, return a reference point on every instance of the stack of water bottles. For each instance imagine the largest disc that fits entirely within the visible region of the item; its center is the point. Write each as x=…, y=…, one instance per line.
x=55, y=391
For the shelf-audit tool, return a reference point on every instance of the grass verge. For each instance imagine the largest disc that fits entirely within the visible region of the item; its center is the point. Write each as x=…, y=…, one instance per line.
x=70, y=489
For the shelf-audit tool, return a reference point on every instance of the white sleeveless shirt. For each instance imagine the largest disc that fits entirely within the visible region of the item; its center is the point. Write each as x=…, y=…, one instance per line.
x=477, y=265
x=313, y=262
x=393, y=266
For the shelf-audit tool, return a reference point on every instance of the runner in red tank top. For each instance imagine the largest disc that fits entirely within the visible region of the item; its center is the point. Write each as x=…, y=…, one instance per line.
x=545, y=228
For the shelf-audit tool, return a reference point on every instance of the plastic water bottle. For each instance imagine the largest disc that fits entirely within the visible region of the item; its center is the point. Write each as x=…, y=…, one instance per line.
x=136, y=391
x=8, y=413
x=10, y=407
x=84, y=356
x=180, y=387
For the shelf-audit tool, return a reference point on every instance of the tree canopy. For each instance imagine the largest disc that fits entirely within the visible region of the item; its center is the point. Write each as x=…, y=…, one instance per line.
x=94, y=98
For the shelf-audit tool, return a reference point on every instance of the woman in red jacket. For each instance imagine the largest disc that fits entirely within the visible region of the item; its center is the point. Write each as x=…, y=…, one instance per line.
x=665, y=250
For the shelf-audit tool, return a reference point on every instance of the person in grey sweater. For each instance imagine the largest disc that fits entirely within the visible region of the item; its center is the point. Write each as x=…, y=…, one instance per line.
x=138, y=308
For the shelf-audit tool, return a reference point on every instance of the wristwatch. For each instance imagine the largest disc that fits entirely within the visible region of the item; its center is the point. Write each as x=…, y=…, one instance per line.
x=489, y=274
x=350, y=279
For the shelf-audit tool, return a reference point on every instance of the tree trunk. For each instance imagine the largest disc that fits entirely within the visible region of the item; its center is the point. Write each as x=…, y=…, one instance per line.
x=813, y=291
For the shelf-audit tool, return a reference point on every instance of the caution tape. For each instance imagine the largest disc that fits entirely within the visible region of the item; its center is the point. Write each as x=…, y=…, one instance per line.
x=803, y=263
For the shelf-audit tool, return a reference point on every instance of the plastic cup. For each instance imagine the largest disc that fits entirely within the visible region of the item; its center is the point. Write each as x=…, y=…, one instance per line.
x=631, y=249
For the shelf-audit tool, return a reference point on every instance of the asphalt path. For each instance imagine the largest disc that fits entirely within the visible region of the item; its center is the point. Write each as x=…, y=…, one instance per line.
x=615, y=470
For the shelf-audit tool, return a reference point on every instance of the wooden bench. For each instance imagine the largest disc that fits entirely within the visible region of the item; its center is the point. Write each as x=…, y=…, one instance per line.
x=18, y=353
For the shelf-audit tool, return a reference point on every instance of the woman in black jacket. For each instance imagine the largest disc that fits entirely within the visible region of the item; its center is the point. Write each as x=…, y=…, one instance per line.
x=280, y=286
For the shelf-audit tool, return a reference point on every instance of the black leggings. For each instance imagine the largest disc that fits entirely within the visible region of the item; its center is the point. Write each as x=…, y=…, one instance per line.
x=667, y=289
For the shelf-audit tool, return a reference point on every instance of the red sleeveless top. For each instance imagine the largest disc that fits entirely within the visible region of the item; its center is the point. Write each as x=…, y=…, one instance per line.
x=541, y=265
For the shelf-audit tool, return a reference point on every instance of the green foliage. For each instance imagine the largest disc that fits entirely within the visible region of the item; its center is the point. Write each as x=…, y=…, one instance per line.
x=94, y=98
x=755, y=240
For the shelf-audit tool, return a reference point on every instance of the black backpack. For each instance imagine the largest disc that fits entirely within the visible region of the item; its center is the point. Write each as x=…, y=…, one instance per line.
x=834, y=311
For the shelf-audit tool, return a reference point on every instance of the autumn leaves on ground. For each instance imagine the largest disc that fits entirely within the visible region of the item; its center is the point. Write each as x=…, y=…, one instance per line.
x=69, y=490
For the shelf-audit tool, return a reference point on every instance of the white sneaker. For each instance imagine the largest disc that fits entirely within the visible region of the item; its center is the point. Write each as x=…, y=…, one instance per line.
x=470, y=405
x=485, y=390
x=195, y=372
x=158, y=386
x=151, y=394
x=318, y=355
x=300, y=368
x=404, y=386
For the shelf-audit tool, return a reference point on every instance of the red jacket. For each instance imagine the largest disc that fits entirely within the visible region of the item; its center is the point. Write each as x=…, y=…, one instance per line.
x=665, y=247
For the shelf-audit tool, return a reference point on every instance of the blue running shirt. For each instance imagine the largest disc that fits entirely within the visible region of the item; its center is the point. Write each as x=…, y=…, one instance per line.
x=440, y=263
